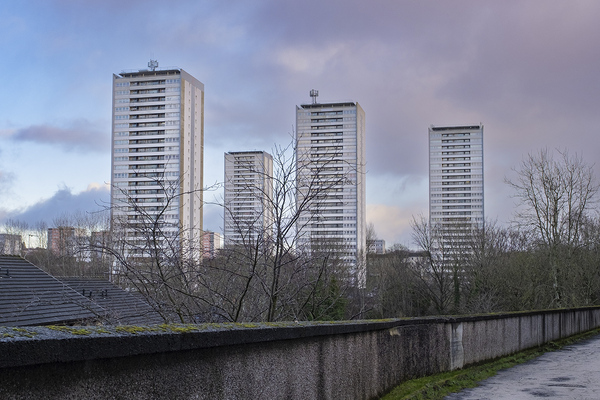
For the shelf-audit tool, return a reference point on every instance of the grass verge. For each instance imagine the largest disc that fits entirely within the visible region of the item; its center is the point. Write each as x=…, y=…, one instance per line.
x=438, y=386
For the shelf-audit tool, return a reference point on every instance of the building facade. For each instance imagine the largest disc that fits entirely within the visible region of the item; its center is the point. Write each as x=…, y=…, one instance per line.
x=157, y=153
x=11, y=244
x=248, y=211
x=330, y=171
x=378, y=246
x=211, y=243
x=456, y=177
x=62, y=240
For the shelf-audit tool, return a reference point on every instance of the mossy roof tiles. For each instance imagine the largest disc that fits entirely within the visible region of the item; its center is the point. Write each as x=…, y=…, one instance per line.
x=30, y=296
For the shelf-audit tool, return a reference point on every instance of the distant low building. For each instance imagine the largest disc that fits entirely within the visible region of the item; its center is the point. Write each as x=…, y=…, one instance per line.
x=211, y=243
x=61, y=240
x=379, y=246
x=11, y=244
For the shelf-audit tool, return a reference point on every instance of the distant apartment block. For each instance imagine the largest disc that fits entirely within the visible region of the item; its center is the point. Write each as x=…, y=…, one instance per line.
x=157, y=151
x=248, y=212
x=330, y=161
x=62, y=240
x=456, y=176
x=11, y=244
x=378, y=246
x=211, y=243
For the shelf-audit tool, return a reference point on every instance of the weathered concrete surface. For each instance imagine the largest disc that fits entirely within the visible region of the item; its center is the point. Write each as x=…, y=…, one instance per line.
x=570, y=373
x=337, y=361
x=346, y=360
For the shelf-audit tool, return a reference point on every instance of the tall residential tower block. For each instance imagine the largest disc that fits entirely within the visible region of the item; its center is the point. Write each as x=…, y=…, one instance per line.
x=157, y=151
x=248, y=197
x=330, y=160
x=456, y=176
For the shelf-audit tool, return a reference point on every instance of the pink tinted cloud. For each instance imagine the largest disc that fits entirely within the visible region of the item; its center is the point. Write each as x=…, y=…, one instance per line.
x=80, y=136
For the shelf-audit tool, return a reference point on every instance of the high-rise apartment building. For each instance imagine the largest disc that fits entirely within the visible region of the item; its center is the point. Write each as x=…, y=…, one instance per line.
x=456, y=176
x=248, y=196
x=157, y=151
x=330, y=159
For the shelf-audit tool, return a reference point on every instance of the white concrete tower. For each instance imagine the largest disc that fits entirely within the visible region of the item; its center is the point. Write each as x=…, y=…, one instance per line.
x=248, y=210
x=330, y=160
x=456, y=176
x=157, y=150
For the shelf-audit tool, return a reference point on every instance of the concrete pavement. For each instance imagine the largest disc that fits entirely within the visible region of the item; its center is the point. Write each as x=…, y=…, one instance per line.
x=570, y=373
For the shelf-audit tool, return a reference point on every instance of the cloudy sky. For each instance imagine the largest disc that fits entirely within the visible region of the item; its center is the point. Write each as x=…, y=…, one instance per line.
x=528, y=70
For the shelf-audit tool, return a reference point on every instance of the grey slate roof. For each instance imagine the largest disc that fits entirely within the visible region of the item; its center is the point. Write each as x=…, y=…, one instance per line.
x=122, y=307
x=29, y=296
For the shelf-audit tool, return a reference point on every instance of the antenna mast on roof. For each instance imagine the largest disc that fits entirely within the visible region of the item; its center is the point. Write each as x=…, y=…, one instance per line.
x=314, y=94
x=153, y=64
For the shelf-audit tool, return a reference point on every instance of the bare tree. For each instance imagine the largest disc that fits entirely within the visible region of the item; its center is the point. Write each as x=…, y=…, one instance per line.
x=40, y=232
x=434, y=269
x=555, y=196
x=287, y=275
x=17, y=232
x=371, y=236
x=154, y=254
x=489, y=247
x=395, y=286
x=73, y=253
x=269, y=273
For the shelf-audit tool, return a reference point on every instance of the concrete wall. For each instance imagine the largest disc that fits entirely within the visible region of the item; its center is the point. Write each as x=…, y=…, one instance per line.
x=353, y=360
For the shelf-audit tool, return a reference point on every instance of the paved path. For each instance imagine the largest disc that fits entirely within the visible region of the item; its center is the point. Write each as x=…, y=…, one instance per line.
x=570, y=373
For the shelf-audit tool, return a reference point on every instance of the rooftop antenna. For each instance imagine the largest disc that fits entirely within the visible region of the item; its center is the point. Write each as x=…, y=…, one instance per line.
x=314, y=94
x=153, y=64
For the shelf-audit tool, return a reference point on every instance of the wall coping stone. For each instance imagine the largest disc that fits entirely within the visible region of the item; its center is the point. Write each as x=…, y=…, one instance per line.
x=20, y=346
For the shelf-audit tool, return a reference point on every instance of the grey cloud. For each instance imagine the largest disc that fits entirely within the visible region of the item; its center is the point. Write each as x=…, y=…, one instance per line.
x=522, y=71
x=387, y=50
x=62, y=203
x=410, y=64
x=433, y=27
x=80, y=136
x=543, y=62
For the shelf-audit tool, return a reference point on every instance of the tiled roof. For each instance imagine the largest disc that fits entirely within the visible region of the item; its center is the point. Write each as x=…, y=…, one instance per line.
x=121, y=307
x=29, y=296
